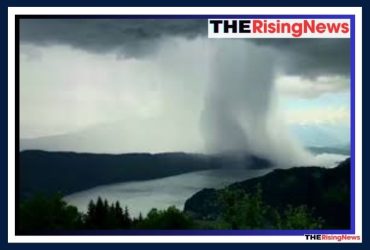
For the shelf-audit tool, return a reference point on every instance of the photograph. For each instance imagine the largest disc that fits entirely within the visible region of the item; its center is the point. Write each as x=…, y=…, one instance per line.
x=137, y=125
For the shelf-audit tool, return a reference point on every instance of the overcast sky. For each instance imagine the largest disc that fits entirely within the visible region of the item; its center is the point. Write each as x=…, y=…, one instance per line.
x=140, y=78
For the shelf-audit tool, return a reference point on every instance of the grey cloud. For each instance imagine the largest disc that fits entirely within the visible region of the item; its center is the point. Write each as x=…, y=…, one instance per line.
x=139, y=37
x=313, y=57
x=133, y=37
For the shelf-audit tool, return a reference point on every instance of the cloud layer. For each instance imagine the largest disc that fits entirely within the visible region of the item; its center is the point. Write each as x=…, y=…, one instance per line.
x=130, y=37
x=140, y=37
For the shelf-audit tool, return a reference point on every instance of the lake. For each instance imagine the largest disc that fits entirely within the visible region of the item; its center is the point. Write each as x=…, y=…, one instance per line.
x=141, y=196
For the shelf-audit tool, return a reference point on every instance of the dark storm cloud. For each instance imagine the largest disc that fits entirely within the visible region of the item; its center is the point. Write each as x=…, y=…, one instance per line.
x=139, y=37
x=132, y=37
x=313, y=57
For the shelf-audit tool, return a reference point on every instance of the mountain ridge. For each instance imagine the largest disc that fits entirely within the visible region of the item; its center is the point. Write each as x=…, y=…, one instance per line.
x=327, y=191
x=68, y=172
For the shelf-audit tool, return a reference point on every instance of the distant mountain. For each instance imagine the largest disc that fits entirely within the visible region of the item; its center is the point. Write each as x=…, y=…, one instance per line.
x=344, y=150
x=325, y=190
x=67, y=172
x=116, y=137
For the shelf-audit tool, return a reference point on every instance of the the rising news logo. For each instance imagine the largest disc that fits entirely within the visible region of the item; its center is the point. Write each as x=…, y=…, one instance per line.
x=279, y=28
x=333, y=237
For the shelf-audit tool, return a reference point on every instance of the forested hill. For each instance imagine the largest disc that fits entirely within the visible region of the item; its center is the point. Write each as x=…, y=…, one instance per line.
x=325, y=191
x=67, y=172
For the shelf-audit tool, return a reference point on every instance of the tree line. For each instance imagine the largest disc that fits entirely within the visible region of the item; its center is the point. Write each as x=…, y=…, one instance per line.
x=239, y=211
x=42, y=214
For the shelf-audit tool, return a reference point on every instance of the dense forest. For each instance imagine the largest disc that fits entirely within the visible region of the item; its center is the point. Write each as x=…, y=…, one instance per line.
x=47, y=215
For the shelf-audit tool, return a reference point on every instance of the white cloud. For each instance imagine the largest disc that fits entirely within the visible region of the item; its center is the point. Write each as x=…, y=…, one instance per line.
x=319, y=115
x=311, y=87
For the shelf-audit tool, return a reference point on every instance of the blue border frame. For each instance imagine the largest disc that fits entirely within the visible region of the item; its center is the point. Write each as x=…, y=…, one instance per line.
x=233, y=232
